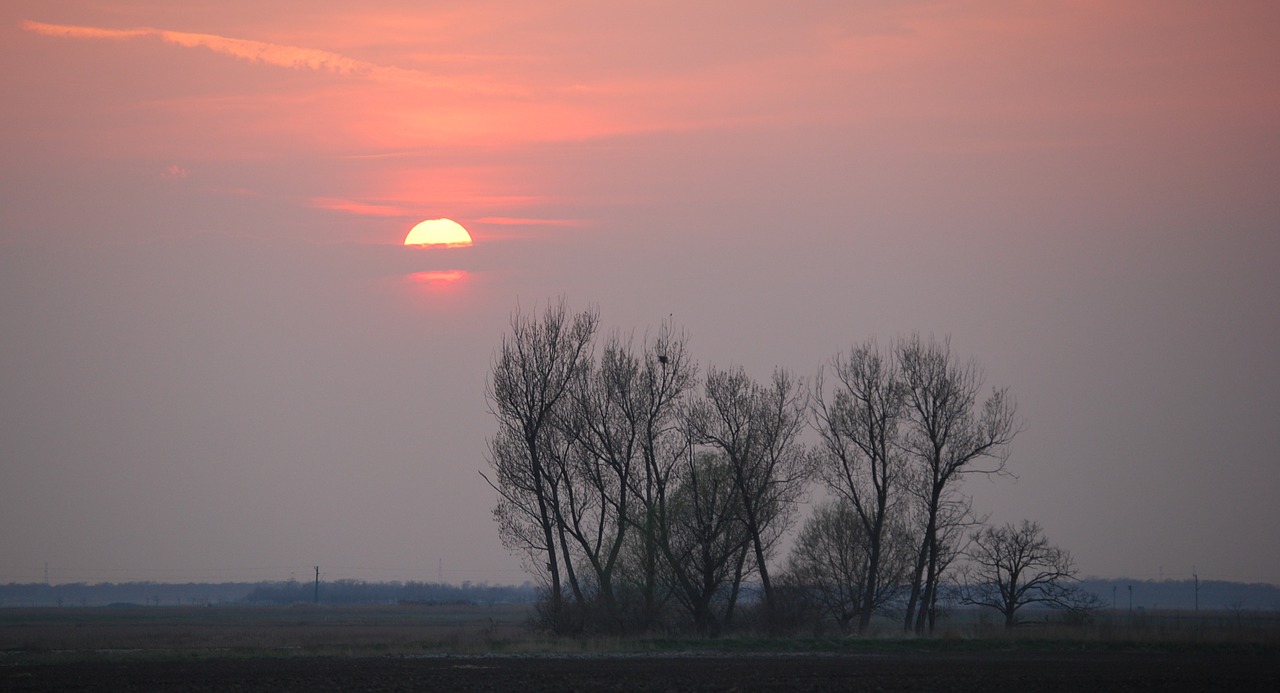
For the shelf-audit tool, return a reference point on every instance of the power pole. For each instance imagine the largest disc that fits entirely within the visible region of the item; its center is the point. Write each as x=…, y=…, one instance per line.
x=317, y=593
x=1195, y=576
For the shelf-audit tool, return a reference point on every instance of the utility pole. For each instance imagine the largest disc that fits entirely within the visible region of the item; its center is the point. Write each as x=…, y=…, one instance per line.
x=1195, y=576
x=317, y=593
x=1130, y=598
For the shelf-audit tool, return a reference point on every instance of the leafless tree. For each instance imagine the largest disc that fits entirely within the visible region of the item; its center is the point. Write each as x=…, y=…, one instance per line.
x=517, y=512
x=530, y=376
x=1013, y=566
x=955, y=520
x=757, y=429
x=602, y=419
x=950, y=433
x=666, y=378
x=861, y=459
x=831, y=558
x=621, y=418
x=623, y=489
x=704, y=539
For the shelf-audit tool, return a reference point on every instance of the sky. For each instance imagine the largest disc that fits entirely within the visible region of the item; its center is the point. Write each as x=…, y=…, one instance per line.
x=218, y=361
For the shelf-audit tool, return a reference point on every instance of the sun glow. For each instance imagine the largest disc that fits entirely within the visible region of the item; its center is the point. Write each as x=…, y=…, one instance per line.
x=443, y=232
x=438, y=278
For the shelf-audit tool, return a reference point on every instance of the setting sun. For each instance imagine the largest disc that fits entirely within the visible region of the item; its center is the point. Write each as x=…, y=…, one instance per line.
x=445, y=232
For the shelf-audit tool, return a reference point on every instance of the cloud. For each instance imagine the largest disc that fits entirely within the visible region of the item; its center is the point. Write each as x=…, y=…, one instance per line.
x=68, y=31
x=522, y=221
x=274, y=54
x=376, y=209
x=255, y=51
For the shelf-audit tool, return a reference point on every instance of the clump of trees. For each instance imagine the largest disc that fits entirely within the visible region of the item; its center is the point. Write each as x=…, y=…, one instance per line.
x=644, y=496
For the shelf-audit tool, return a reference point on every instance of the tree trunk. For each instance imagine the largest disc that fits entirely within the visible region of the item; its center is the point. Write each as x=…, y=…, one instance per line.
x=917, y=581
x=570, y=573
x=770, y=606
x=737, y=586
x=553, y=567
x=929, y=597
x=870, y=582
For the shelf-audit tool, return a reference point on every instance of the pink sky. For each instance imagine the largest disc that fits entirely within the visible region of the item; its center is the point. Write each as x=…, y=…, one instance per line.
x=200, y=206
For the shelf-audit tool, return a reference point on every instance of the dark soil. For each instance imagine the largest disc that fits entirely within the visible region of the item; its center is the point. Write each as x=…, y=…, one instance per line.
x=914, y=671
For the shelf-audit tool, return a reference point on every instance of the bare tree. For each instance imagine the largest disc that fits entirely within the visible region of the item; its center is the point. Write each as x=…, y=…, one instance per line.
x=531, y=374
x=603, y=420
x=950, y=433
x=666, y=378
x=955, y=519
x=861, y=459
x=831, y=558
x=704, y=539
x=1014, y=566
x=757, y=429
x=517, y=512
x=620, y=411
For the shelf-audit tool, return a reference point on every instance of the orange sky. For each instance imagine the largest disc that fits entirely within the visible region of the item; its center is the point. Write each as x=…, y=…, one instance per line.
x=201, y=206
x=445, y=111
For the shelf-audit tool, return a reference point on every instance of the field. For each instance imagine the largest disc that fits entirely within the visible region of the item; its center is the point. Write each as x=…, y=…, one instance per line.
x=490, y=648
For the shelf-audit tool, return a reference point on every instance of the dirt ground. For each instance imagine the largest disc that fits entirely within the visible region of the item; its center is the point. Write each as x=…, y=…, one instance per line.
x=998, y=671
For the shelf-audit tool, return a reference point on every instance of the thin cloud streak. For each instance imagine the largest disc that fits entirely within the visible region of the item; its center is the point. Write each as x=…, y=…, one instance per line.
x=274, y=54
x=374, y=209
x=522, y=221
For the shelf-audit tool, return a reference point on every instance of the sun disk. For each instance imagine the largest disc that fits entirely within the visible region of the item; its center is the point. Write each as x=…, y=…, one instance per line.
x=445, y=232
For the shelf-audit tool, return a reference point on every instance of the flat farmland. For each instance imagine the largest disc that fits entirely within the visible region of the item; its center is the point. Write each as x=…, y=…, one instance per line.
x=467, y=648
x=268, y=630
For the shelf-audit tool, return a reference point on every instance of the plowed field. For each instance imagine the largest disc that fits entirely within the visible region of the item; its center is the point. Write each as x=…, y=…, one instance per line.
x=996, y=671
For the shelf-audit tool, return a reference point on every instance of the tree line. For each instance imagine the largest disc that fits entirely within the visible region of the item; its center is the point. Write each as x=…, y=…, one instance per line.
x=267, y=592
x=644, y=494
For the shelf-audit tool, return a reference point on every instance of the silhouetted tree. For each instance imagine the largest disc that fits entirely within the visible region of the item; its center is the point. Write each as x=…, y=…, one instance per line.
x=704, y=539
x=1014, y=566
x=757, y=429
x=622, y=489
x=531, y=374
x=861, y=461
x=604, y=420
x=619, y=423
x=831, y=558
x=949, y=433
x=667, y=376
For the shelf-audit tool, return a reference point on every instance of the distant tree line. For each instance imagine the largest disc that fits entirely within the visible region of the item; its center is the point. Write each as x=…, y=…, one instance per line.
x=646, y=495
x=133, y=593
x=361, y=592
x=284, y=592
x=1181, y=595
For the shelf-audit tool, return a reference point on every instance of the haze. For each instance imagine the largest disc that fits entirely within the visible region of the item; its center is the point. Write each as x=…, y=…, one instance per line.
x=218, y=362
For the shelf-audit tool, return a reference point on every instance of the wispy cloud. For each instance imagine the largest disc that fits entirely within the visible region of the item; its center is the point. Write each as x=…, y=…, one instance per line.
x=256, y=51
x=375, y=209
x=69, y=31
x=278, y=55
x=522, y=221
